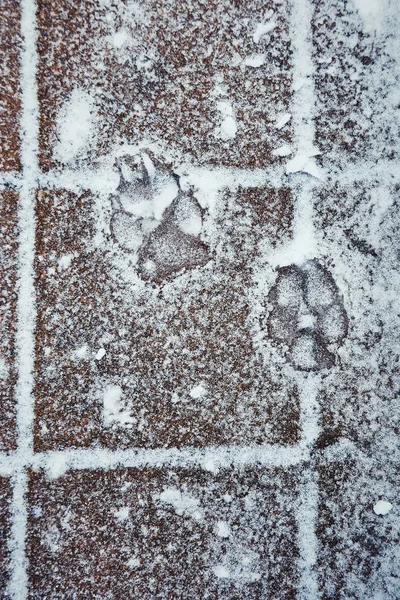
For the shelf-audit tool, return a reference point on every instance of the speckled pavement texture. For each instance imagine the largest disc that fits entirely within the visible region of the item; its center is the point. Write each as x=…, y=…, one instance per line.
x=199, y=309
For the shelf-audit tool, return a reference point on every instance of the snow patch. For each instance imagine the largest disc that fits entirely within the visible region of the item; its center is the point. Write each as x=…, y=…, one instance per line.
x=221, y=572
x=114, y=408
x=283, y=120
x=228, y=128
x=76, y=127
x=372, y=13
x=3, y=369
x=284, y=150
x=100, y=354
x=304, y=163
x=222, y=529
x=65, y=262
x=382, y=507
x=199, y=391
x=56, y=466
x=133, y=563
x=262, y=29
x=120, y=38
x=183, y=504
x=122, y=513
x=255, y=60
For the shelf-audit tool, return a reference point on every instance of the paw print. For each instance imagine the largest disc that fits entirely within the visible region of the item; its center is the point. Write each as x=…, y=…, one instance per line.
x=307, y=315
x=155, y=221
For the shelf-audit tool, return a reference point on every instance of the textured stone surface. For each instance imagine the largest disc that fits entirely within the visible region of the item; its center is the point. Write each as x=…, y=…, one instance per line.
x=10, y=46
x=163, y=534
x=358, y=227
x=358, y=555
x=158, y=70
x=5, y=495
x=356, y=81
x=8, y=299
x=181, y=352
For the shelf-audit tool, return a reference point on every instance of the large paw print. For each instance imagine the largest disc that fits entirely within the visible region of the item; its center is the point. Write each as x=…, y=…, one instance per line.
x=307, y=316
x=154, y=221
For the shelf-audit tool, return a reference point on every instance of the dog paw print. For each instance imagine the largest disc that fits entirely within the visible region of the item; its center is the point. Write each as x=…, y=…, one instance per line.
x=307, y=316
x=155, y=221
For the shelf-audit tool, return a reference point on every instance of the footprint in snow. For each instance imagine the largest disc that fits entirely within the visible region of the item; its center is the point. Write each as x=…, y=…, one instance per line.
x=155, y=221
x=307, y=315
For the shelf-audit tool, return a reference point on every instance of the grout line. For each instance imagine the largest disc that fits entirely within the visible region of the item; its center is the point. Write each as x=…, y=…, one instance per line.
x=103, y=180
x=18, y=584
x=58, y=461
x=309, y=408
x=307, y=515
x=304, y=247
x=209, y=458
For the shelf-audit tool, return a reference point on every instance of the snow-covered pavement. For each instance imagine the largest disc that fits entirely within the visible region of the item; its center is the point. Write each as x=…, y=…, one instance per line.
x=199, y=350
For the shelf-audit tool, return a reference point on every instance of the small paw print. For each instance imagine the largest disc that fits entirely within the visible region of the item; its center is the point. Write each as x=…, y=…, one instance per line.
x=307, y=315
x=155, y=221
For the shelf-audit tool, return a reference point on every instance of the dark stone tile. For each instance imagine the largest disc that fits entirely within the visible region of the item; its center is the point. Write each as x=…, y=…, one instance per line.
x=173, y=533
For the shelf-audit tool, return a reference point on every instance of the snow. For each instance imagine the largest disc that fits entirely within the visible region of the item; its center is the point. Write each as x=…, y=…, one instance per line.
x=122, y=514
x=283, y=120
x=372, y=12
x=182, y=503
x=198, y=392
x=228, y=128
x=163, y=199
x=382, y=507
x=76, y=127
x=262, y=29
x=133, y=563
x=100, y=354
x=255, y=60
x=114, y=410
x=57, y=466
x=82, y=351
x=65, y=262
x=120, y=38
x=3, y=368
x=221, y=572
x=303, y=163
x=222, y=529
x=284, y=150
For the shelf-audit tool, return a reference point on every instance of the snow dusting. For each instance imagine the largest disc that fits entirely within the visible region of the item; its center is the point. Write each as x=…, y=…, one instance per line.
x=199, y=355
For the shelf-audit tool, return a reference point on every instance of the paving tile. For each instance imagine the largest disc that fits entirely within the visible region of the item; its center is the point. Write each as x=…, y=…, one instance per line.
x=8, y=299
x=167, y=72
x=358, y=554
x=356, y=82
x=5, y=496
x=178, y=365
x=359, y=233
x=10, y=41
x=150, y=533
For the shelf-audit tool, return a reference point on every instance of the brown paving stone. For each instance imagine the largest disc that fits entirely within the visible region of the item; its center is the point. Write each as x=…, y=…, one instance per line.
x=356, y=83
x=10, y=41
x=159, y=85
x=5, y=497
x=162, y=340
x=150, y=533
x=358, y=554
x=8, y=299
x=360, y=398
